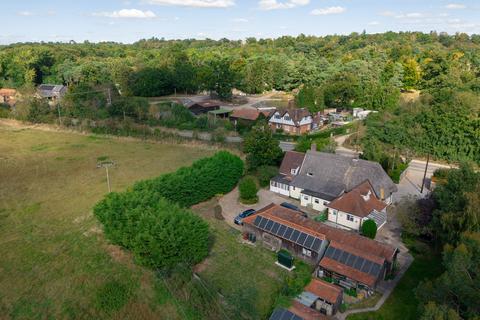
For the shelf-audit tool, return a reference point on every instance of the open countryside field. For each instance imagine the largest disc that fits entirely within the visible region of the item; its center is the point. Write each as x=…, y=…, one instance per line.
x=54, y=261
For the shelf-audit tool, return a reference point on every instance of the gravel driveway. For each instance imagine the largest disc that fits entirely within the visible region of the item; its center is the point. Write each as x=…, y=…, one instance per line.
x=231, y=207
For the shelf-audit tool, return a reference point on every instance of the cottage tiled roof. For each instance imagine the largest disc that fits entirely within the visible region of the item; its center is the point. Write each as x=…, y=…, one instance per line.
x=305, y=312
x=342, y=237
x=248, y=114
x=324, y=290
x=291, y=160
x=349, y=272
x=334, y=174
x=360, y=201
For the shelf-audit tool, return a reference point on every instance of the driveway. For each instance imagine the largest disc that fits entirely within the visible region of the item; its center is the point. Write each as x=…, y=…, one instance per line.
x=411, y=184
x=231, y=207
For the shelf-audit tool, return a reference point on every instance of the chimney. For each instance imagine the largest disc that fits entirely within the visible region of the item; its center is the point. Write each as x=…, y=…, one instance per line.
x=313, y=147
x=382, y=194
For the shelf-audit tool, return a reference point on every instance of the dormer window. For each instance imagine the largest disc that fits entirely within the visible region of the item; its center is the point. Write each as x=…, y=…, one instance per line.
x=277, y=116
x=310, y=174
x=294, y=171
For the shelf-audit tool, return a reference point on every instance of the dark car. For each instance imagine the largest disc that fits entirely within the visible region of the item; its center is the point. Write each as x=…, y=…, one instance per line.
x=247, y=213
x=293, y=207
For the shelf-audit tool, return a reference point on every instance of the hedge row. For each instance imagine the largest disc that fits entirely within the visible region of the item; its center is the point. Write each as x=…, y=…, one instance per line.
x=151, y=219
x=203, y=180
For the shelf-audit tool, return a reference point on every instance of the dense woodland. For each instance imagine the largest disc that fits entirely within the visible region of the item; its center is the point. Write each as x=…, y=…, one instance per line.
x=358, y=70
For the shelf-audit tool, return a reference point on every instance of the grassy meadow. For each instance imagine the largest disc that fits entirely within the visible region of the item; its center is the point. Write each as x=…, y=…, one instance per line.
x=54, y=261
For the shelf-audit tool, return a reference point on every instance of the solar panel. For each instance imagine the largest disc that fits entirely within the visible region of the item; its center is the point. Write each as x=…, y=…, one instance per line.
x=301, y=238
x=275, y=228
x=308, y=243
x=358, y=264
x=257, y=221
x=329, y=252
x=281, y=230
x=316, y=244
x=263, y=223
x=337, y=254
x=375, y=269
x=269, y=225
x=343, y=257
x=366, y=266
x=295, y=235
x=351, y=260
x=288, y=233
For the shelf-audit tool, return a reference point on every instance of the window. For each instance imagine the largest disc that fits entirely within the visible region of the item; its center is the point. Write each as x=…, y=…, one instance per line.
x=305, y=197
x=325, y=203
x=310, y=174
x=293, y=188
x=350, y=217
x=272, y=183
x=306, y=252
x=287, y=118
x=334, y=212
x=279, y=126
x=277, y=116
x=317, y=201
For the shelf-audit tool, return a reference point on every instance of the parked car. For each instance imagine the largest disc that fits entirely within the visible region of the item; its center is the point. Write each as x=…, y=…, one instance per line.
x=293, y=207
x=247, y=213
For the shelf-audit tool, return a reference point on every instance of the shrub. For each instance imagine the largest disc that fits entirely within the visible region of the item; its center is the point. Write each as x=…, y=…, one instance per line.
x=369, y=229
x=264, y=174
x=149, y=219
x=158, y=232
x=201, y=181
x=322, y=217
x=248, y=190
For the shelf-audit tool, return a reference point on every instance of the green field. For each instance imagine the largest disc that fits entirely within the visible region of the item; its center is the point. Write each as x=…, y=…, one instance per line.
x=55, y=263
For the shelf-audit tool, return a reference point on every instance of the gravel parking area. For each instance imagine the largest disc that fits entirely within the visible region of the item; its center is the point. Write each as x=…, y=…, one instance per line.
x=231, y=207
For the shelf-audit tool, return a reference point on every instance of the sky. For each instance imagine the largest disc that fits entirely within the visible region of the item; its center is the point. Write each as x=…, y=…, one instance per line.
x=128, y=21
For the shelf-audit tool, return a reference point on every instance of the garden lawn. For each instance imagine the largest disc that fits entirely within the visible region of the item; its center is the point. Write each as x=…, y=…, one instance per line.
x=55, y=263
x=402, y=304
x=245, y=275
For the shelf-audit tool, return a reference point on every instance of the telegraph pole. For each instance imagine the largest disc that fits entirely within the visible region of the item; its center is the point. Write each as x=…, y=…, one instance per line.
x=425, y=174
x=106, y=165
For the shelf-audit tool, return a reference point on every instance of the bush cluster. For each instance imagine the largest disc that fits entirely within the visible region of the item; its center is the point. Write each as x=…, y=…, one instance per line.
x=203, y=180
x=151, y=221
x=248, y=190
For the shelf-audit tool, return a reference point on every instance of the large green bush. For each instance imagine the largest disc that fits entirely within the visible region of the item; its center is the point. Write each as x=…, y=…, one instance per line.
x=150, y=219
x=369, y=229
x=204, y=179
x=248, y=190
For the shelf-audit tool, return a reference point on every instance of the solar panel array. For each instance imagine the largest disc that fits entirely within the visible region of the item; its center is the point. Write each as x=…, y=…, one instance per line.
x=282, y=314
x=288, y=233
x=353, y=261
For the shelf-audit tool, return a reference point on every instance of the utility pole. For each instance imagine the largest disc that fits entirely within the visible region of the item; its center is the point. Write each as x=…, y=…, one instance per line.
x=425, y=174
x=109, y=101
x=106, y=164
x=59, y=115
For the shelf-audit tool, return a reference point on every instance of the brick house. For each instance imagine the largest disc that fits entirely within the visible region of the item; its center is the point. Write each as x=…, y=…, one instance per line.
x=293, y=121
